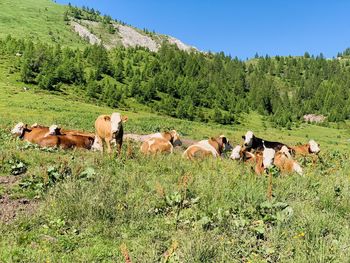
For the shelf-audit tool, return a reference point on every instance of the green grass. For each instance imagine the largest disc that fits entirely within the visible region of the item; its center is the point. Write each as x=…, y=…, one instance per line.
x=91, y=205
x=38, y=20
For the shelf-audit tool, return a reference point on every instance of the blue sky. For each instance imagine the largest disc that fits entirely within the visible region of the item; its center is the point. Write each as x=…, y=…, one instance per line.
x=240, y=28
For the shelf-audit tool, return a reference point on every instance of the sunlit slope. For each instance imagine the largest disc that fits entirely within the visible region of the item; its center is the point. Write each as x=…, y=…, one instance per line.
x=37, y=19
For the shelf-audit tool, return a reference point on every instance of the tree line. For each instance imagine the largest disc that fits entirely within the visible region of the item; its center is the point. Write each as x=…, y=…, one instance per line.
x=191, y=85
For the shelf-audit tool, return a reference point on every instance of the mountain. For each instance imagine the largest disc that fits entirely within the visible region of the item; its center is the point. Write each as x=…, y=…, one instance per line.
x=49, y=22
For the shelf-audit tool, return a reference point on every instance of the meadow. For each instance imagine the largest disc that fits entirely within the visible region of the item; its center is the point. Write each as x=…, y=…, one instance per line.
x=37, y=20
x=88, y=207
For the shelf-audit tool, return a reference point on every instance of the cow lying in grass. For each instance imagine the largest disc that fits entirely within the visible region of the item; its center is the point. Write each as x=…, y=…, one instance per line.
x=32, y=134
x=55, y=130
x=212, y=147
x=310, y=148
x=161, y=143
x=109, y=127
x=52, y=137
x=260, y=160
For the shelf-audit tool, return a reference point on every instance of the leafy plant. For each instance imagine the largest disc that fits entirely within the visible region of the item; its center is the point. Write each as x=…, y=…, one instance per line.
x=17, y=166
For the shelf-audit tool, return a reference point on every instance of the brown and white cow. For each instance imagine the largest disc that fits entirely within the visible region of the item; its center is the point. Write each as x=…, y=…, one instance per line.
x=286, y=164
x=32, y=134
x=161, y=142
x=67, y=141
x=310, y=148
x=51, y=137
x=109, y=127
x=212, y=147
x=54, y=129
x=267, y=158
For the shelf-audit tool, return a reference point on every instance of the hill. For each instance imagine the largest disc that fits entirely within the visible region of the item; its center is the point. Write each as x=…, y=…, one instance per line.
x=39, y=20
x=46, y=21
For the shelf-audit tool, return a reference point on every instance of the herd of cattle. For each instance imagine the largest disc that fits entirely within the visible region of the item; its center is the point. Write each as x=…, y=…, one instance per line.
x=260, y=154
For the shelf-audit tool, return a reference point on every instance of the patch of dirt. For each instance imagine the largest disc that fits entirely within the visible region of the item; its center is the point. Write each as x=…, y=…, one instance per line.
x=12, y=208
x=8, y=181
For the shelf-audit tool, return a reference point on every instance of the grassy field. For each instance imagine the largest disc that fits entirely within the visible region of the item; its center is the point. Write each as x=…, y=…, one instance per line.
x=80, y=206
x=38, y=20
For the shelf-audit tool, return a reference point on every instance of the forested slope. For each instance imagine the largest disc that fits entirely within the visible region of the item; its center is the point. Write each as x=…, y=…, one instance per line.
x=191, y=85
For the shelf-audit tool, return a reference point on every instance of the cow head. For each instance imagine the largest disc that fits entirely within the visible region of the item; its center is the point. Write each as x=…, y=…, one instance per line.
x=175, y=138
x=236, y=153
x=268, y=156
x=248, y=139
x=226, y=146
x=54, y=130
x=116, y=121
x=96, y=146
x=314, y=147
x=286, y=151
x=19, y=128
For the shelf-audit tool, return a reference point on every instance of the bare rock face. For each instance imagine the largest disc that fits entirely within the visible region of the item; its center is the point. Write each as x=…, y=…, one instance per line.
x=85, y=33
x=314, y=118
x=180, y=44
x=125, y=35
x=131, y=38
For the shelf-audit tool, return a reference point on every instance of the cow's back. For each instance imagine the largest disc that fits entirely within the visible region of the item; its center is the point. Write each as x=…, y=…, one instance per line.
x=76, y=141
x=36, y=134
x=197, y=151
x=156, y=145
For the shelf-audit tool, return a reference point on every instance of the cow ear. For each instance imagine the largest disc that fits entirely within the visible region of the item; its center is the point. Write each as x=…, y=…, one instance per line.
x=224, y=140
x=107, y=118
x=243, y=137
x=125, y=118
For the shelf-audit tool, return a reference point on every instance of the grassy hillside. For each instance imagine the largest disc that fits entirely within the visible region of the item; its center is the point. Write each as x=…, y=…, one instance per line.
x=81, y=206
x=38, y=20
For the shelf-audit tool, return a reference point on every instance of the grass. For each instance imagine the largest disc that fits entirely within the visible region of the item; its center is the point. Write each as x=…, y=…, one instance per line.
x=38, y=20
x=95, y=207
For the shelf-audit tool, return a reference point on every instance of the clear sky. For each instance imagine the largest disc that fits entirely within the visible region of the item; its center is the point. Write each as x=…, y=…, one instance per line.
x=240, y=27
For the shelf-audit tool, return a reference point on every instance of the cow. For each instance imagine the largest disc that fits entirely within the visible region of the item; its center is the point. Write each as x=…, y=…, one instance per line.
x=260, y=160
x=32, y=134
x=254, y=143
x=286, y=164
x=310, y=148
x=67, y=141
x=54, y=129
x=237, y=153
x=240, y=153
x=109, y=127
x=211, y=147
x=51, y=137
x=161, y=142
x=267, y=158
